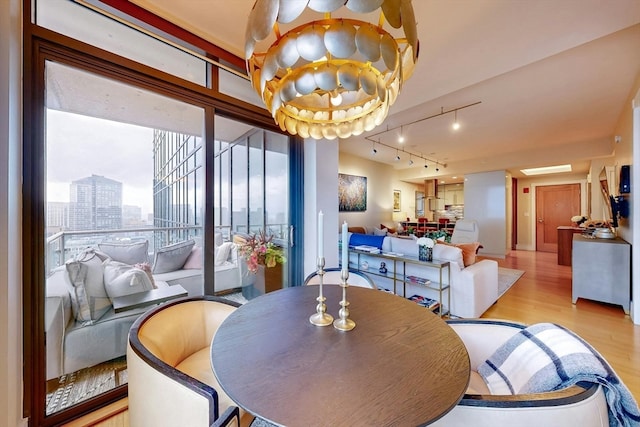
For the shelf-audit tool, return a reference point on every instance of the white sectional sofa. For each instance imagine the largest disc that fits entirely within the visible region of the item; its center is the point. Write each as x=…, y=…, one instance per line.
x=474, y=288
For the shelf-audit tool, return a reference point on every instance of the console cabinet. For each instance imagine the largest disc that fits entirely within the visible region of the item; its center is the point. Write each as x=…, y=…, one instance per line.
x=601, y=270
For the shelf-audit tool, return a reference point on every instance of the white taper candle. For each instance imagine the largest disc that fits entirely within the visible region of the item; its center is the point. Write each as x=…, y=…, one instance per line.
x=345, y=247
x=320, y=234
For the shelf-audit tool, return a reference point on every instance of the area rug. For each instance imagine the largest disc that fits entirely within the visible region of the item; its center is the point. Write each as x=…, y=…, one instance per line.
x=83, y=384
x=507, y=277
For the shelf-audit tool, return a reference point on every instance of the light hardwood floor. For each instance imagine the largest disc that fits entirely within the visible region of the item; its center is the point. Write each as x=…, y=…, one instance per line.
x=543, y=294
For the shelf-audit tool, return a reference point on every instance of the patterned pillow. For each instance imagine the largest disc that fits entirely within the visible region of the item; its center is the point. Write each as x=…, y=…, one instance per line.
x=89, y=299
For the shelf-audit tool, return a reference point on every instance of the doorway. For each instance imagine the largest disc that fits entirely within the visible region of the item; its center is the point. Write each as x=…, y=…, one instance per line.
x=555, y=204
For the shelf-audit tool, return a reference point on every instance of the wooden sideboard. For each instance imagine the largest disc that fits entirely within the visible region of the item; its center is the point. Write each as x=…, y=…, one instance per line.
x=565, y=242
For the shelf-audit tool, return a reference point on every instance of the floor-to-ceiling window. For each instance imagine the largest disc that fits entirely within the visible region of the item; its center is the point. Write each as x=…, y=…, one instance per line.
x=123, y=168
x=117, y=151
x=253, y=169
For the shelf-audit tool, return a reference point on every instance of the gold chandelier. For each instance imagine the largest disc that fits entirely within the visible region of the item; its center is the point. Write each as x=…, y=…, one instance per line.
x=332, y=77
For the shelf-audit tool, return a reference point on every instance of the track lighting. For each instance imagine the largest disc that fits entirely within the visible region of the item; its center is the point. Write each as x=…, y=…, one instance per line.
x=373, y=149
x=410, y=162
x=455, y=124
x=397, y=156
x=401, y=136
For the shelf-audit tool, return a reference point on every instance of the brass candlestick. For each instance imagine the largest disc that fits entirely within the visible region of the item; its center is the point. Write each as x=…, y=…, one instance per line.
x=344, y=323
x=321, y=317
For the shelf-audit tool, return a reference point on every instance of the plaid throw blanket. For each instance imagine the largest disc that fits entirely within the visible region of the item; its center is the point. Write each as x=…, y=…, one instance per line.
x=547, y=357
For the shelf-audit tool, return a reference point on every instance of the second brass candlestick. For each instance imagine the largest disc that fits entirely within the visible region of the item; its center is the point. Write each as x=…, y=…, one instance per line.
x=344, y=323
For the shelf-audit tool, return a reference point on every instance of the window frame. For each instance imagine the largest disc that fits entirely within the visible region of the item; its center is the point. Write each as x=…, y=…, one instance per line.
x=43, y=45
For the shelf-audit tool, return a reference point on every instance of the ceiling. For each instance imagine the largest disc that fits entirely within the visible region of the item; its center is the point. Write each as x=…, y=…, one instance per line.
x=552, y=78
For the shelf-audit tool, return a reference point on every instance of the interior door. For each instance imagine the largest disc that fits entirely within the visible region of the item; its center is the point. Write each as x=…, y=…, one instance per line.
x=555, y=205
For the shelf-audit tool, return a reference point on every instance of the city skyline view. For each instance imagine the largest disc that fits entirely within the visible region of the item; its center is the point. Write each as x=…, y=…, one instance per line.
x=118, y=151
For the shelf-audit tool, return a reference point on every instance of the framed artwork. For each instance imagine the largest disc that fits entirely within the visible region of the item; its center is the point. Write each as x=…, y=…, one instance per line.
x=396, y=200
x=352, y=193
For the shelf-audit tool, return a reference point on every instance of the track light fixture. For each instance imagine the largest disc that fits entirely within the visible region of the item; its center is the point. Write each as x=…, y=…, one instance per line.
x=401, y=137
x=373, y=149
x=410, y=160
x=397, y=156
x=455, y=124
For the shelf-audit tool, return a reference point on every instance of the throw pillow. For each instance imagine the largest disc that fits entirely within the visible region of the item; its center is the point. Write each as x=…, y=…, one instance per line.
x=468, y=251
x=359, y=230
x=172, y=257
x=122, y=279
x=379, y=232
x=129, y=253
x=222, y=253
x=89, y=299
x=146, y=267
x=391, y=230
x=448, y=253
x=194, y=261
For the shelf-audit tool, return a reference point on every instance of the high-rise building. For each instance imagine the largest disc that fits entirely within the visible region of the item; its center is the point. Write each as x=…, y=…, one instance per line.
x=177, y=183
x=95, y=204
x=132, y=216
x=57, y=217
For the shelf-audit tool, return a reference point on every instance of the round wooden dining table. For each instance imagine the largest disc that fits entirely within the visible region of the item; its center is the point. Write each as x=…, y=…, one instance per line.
x=400, y=366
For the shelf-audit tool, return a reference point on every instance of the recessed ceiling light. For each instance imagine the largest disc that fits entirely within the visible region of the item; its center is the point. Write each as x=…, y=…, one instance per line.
x=546, y=170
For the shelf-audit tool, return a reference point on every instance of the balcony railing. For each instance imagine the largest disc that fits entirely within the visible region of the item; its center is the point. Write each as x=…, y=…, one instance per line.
x=67, y=244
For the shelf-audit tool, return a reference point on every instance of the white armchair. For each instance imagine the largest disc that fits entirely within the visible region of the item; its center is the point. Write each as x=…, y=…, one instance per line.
x=465, y=231
x=171, y=382
x=576, y=405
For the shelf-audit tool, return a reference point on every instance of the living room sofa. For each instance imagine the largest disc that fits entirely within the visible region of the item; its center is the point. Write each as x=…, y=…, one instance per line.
x=474, y=287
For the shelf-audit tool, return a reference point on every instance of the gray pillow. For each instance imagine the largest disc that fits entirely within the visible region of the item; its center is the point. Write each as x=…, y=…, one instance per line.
x=129, y=253
x=172, y=257
x=89, y=299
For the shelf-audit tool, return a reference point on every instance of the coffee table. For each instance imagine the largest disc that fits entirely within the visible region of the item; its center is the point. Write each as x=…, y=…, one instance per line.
x=401, y=365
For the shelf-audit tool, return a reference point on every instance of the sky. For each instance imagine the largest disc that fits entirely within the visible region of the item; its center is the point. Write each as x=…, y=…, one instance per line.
x=80, y=146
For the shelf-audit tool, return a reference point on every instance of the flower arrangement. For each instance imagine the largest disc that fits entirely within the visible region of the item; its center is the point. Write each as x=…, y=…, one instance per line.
x=578, y=219
x=425, y=241
x=260, y=250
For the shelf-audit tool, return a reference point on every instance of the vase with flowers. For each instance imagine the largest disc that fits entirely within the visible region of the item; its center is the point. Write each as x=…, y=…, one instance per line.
x=258, y=249
x=425, y=248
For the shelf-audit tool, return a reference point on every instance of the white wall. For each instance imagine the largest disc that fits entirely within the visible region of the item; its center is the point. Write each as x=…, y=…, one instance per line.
x=485, y=200
x=381, y=181
x=320, y=194
x=10, y=203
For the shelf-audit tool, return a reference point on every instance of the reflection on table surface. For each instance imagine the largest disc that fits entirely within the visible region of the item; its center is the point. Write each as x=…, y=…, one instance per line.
x=401, y=365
